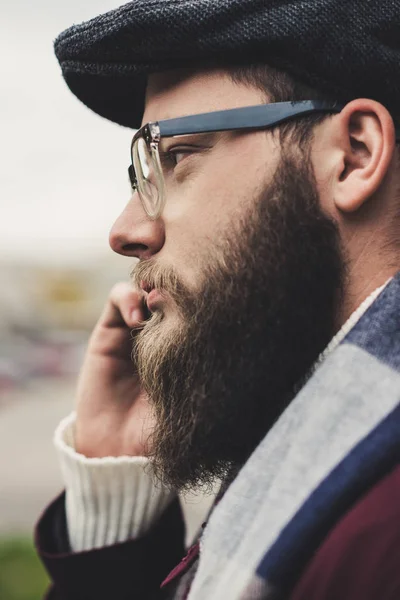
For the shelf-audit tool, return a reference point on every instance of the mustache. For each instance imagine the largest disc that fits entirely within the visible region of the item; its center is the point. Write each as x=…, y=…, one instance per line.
x=157, y=276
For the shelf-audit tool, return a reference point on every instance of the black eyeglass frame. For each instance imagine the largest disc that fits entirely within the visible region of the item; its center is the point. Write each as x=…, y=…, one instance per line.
x=250, y=118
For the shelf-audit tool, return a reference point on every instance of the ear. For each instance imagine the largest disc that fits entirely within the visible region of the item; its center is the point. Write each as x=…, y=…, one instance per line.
x=367, y=139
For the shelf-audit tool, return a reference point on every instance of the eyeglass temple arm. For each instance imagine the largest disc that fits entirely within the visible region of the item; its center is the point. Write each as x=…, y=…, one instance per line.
x=252, y=117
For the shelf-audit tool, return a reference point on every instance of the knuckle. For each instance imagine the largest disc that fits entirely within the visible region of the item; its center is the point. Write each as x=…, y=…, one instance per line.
x=123, y=294
x=119, y=289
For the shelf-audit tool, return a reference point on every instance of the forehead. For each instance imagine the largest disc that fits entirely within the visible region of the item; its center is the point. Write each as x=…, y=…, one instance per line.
x=187, y=92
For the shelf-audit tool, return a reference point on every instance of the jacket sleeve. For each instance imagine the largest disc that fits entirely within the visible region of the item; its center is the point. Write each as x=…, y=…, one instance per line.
x=132, y=570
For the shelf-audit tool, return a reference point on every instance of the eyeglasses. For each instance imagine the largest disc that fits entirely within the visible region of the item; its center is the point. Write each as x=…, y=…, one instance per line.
x=146, y=173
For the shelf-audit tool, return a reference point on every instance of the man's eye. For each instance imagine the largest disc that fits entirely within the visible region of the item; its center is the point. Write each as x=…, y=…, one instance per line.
x=179, y=156
x=174, y=156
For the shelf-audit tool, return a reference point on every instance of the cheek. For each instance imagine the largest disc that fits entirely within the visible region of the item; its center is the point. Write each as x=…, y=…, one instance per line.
x=194, y=224
x=204, y=208
x=195, y=239
x=210, y=197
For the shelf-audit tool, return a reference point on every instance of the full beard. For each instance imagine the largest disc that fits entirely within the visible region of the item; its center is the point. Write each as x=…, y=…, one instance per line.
x=222, y=371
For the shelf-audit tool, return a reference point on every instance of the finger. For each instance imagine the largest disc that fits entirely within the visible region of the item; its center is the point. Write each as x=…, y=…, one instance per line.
x=124, y=307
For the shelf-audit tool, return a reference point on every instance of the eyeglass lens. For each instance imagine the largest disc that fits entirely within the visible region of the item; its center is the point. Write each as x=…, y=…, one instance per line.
x=146, y=173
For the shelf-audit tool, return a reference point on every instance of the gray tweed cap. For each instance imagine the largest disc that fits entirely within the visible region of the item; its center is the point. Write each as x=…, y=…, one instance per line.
x=345, y=48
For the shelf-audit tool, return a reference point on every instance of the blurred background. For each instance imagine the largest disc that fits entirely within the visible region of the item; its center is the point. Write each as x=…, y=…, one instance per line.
x=63, y=181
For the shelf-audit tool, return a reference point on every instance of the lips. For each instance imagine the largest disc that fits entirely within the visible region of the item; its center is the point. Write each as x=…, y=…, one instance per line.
x=153, y=298
x=146, y=287
x=152, y=295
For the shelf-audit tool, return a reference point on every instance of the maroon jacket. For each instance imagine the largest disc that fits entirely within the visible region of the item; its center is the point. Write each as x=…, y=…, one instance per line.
x=359, y=559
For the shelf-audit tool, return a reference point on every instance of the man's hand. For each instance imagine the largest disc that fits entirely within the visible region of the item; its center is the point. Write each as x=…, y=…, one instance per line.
x=113, y=413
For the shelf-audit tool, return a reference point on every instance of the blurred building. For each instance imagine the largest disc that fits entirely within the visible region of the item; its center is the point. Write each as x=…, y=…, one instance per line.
x=46, y=315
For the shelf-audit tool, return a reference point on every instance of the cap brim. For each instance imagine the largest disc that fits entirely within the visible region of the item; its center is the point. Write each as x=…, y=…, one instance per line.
x=115, y=97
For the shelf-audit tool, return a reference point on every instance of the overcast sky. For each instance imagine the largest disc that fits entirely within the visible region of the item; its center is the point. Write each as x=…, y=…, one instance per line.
x=63, y=169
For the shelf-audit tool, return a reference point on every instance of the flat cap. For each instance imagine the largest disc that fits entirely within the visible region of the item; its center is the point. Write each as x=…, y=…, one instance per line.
x=345, y=48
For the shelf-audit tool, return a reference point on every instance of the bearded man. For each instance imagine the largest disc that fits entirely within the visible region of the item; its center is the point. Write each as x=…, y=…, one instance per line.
x=259, y=342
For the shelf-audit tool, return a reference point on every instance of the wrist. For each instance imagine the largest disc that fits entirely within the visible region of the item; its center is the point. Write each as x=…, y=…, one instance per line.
x=108, y=500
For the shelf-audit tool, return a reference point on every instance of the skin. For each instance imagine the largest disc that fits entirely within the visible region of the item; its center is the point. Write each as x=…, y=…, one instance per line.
x=355, y=162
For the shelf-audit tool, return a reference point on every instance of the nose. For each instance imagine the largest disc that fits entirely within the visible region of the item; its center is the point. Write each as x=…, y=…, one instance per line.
x=134, y=234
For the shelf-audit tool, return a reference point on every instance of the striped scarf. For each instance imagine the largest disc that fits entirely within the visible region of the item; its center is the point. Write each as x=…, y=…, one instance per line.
x=338, y=438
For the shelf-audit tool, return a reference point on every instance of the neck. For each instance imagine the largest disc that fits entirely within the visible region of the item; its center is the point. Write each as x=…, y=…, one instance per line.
x=360, y=284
